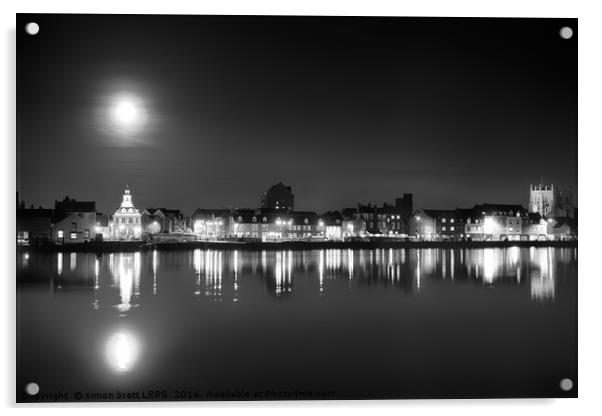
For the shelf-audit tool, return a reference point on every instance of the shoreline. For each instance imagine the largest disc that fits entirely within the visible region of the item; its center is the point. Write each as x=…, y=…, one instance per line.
x=133, y=246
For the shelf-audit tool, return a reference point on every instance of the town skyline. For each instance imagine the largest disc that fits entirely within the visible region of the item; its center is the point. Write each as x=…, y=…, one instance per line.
x=108, y=208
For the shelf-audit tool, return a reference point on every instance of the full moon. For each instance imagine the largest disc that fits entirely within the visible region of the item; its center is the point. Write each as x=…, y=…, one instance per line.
x=127, y=114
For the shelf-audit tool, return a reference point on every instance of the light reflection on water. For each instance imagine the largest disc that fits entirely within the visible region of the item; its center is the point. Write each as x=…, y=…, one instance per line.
x=122, y=351
x=137, y=302
x=125, y=268
x=213, y=270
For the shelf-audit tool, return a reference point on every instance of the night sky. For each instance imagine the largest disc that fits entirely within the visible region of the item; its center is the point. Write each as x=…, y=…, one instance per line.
x=344, y=110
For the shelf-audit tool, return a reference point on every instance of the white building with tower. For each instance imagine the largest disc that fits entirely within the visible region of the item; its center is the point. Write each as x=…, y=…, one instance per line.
x=126, y=223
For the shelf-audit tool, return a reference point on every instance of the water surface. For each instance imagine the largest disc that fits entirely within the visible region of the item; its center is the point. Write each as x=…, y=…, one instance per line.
x=382, y=323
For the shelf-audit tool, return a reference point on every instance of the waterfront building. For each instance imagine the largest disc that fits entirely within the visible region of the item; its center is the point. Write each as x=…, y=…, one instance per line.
x=439, y=224
x=562, y=228
x=304, y=225
x=390, y=220
x=34, y=225
x=273, y=224
x=423, y=226
x=263, y=224
x=154, y=221
x=73, y=221
x=383, y=220
x=353, y=223
x=387, y=220
x=127, y=224
x=103, y=226
x=353, y=227
x=73, y=228
x=482, y=222
x=163, y=220
x=368, y=213
x=496, y=222
x=279, y=198
x=330, y=225
x=248, y=224
x=533, y=227
x=212, y=223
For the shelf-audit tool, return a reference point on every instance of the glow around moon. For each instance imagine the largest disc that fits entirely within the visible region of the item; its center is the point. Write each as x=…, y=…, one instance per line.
x=124, y=117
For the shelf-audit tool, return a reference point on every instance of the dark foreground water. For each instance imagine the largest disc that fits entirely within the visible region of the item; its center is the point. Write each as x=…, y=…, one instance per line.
x=383, y=323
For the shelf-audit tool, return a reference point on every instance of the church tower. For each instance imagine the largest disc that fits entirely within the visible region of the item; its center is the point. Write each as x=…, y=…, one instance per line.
x=543, y=199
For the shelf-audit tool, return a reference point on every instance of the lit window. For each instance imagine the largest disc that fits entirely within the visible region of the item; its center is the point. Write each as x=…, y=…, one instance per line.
x=444, y=228
x=443, y=219
x=452, y=220
x=60, y=234
x=254, y=219
x=239, y=219
x=452, y=228
x=87, y=234
x=265, y=219
x=306, y=221
x=73, y=236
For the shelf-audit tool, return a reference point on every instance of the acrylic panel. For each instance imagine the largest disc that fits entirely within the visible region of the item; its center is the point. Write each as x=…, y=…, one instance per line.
x=295, y=208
